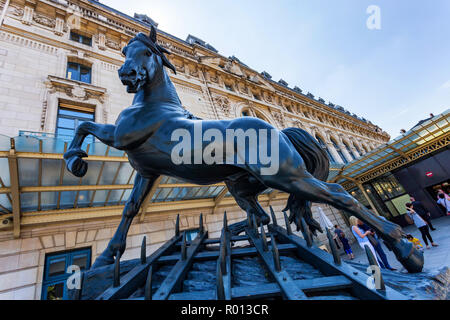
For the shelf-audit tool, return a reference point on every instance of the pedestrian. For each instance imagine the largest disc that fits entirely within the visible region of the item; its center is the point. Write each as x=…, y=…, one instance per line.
x=420, y=224
x=346, y=246
x=337, y=235
x=416, y=242
x=444, y=202
x=440, y=191
x=423, y=213
x=361, y=236
x=376, y=243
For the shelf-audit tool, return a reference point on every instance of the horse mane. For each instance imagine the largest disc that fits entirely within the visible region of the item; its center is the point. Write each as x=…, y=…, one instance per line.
x=150, y=42
x=190, y=115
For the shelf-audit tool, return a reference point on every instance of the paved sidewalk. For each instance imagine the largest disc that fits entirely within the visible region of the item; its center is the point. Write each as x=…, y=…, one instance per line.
x=435, y=257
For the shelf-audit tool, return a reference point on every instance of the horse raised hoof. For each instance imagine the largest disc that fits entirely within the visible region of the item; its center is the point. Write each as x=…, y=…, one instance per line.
x=411, y=258
x=74, y=162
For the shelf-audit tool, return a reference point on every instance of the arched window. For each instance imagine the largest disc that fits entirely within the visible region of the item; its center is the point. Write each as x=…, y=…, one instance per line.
x=247, y=112
x=324, y=146
x=338, y=150
x=349, y=151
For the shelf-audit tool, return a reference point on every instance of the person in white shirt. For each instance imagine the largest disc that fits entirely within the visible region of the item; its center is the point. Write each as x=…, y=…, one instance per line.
x=361, y=236
x=444, y=202
x=421, y=225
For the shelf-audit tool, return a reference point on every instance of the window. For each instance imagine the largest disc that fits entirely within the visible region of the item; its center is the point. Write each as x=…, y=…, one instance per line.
x=229, y=87
x=78, y=72
x=245, y=113
x=339, y=151
x=69, y=117
x=256, y=96
x=324, y=146
x=80, y=38
x=54, y=286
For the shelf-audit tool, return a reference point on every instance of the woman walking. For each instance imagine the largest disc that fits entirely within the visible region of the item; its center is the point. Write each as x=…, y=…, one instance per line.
x=421, y=225
x=361, y=236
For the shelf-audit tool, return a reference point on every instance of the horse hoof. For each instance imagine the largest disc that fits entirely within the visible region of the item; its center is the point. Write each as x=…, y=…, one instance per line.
x=411, y=258
x=75, y=164
x=238, y=227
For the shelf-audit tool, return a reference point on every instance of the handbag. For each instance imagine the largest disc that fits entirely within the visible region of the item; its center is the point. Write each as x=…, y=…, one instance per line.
x=408, y=219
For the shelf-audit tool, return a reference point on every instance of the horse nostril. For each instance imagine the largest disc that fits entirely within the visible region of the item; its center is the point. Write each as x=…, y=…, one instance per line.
x=128, y=73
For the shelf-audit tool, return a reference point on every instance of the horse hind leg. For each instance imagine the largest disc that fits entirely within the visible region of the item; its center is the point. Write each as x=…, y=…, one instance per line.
x=314, y=190
x=246, y=198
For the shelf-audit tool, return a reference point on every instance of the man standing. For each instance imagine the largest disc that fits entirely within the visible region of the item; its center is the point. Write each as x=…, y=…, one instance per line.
x=422, y=212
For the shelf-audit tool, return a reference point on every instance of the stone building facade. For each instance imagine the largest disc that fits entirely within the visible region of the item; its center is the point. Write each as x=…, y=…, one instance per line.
x=64, y=54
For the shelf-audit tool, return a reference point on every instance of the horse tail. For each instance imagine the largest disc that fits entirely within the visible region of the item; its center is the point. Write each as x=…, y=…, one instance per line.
x=318, y=164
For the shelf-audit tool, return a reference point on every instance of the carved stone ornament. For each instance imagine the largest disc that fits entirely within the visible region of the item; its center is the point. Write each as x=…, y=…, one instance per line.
x=223, y=104
x=112, y=44
x=18, y=12
x=278, y=117
x=44, y=20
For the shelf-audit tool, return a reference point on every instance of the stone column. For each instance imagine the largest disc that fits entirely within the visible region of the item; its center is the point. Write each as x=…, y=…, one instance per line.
x=101, y=38
x=28, y=12
x=361, y=188
x=334, y=153
x=355, y=152
x=59, y=25
x=345, y=152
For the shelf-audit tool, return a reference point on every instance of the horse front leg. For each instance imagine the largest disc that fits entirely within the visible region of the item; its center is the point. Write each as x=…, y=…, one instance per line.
x=73, y=157
x=118, y=242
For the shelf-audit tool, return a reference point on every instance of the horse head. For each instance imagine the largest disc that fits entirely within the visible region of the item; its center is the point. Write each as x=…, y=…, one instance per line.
x=144, y=60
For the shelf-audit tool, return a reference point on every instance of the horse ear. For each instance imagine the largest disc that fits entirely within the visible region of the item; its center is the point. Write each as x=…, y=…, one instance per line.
x=153, y=34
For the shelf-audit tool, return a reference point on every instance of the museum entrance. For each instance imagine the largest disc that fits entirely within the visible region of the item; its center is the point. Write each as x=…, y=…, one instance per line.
x=433, y=192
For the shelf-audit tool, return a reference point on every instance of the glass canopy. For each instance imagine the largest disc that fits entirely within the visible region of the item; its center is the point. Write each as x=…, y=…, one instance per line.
x=44, y=184
x=403, y=148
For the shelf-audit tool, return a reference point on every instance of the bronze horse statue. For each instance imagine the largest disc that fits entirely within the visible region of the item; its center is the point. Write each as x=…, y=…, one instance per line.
x=144, y=131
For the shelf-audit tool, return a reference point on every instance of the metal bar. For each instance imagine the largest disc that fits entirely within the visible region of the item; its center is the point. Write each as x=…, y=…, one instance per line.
x=224, y=262
x=178, y=272
x=5, y=190
x=136, y=276
x=60, y=188
x=75, y=188
x=61, y=177
x=4, y=209
x=39, y=176
x=148, y=285
x=59, y=156
x=287, y=286
x=373, y=263
x=323, y=261
x=15, y=194
x=128, y=182
x=75, y=203
x=113, y=182
x=218, y=199
x=270, y=290
x=99, y=177
x=334, y=251
x=235, y=253
x=149, y=197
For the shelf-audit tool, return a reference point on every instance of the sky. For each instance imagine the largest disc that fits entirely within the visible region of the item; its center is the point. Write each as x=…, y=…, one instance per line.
x=394, y=75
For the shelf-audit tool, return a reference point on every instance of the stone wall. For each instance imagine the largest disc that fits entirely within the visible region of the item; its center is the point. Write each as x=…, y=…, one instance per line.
x=22, y=260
